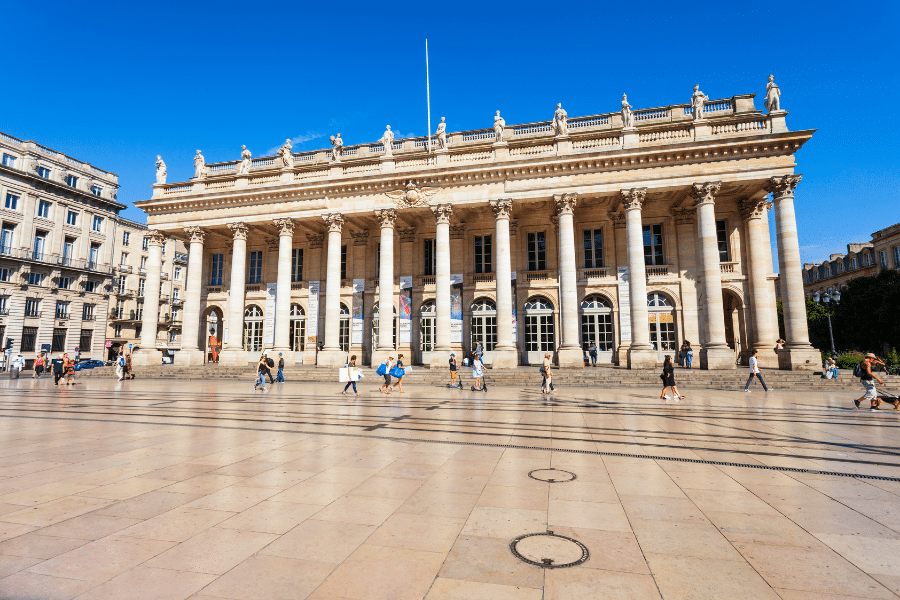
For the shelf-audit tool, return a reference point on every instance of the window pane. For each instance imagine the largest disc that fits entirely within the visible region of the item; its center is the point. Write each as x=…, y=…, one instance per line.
x=722, y=238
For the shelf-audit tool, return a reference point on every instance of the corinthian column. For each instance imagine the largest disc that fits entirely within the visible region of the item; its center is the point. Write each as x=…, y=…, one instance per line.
x=505, y=354
x=570, y=354
x=640, y=354
x=441, y=354
x=332, y=355
x=386, y=217
x=764, y=329
x=283, y=291
x=233, y=352
x=797, y=354
x=147, y=354
x=190, y=353
x=715, y=353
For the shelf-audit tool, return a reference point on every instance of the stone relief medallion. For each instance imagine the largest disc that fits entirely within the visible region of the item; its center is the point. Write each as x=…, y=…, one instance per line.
x=412, y=195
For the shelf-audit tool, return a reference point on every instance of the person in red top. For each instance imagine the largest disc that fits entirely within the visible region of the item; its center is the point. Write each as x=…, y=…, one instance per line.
x=69, y=369
x=38, y=366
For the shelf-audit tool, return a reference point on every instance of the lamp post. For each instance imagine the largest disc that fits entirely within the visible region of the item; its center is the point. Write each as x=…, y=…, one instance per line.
x=826, y=300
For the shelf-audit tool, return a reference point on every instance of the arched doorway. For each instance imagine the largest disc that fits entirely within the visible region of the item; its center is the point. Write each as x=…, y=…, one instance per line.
x=540, y=330
x=212, y=324
x=597, y=327
x=375, y=328
x=297, y=328
x=253, y=329
x=663, y=333
x=427, y=313
x=483, y=327
x=735, y=328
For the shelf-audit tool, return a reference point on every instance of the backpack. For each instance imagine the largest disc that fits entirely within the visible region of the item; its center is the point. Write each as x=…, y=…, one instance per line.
x=270, y=363
x=121, y=361
x=859, y=370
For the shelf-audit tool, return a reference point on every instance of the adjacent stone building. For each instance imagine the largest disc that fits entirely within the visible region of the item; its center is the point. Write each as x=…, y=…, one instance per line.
x=633, y=231
x=863, y=259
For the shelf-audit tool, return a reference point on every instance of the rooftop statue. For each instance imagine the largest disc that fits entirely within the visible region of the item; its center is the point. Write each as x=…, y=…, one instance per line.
x=698, y=99
x=287, y=159
x=244, y=165
x=337, y=145
x=199, y=166
x=499, y=124
x=627, y=115
x=160, y=170
x=388, y=139
x=441, y=134
x=773, y=95
x=560, y=121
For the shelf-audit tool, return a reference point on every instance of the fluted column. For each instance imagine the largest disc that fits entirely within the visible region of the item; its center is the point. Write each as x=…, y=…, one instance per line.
x=233, y=352
x=332, y=354
x=442, y=214
x=283, y=290
x=191, y=353
x=798, y=354
x=386, y=217
x=715, y=353
x=505, y=354
x=570, y=354
x=147, y=354
x=764, y=330
x=640, y=354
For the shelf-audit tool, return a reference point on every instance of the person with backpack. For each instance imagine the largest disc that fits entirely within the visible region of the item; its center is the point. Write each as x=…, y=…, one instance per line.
x=280, y=378
x=385, y=370
x=455, y=381
x=864, y=371
x=120, y=366
x=593, y=353
x=262, y=368
x=754, y=372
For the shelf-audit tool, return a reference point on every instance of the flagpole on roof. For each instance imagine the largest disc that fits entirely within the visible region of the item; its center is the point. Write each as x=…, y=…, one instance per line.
x=428, y=94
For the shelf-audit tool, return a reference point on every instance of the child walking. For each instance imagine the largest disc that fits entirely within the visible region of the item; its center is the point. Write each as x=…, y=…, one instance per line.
x=454, y=373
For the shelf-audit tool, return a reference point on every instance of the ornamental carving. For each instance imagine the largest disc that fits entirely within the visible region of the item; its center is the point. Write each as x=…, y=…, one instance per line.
x=565, y=203
x=457, y=232
x=502, y=208
x=360, y=238
x=753, y=208
x=513, y=227
x=412, y=195
x=633, y=198
x=156, y=237
x=783, y=187
x=272, y=243
x=238, y=230
x=407, y=234
x=705, y=193
x=316, y=240
x=335, y=222
x=198, y=234
x=386, y=217
x=684, y=216
x=618, y=220
x=442, y=213
x=285, y=226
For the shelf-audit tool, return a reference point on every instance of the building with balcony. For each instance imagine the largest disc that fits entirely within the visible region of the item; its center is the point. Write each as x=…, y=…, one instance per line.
x=628, y=230
x=863, y=259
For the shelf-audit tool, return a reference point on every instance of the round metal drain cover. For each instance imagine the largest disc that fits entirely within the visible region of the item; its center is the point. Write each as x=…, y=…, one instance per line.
x=552, y=475
x=549, y=550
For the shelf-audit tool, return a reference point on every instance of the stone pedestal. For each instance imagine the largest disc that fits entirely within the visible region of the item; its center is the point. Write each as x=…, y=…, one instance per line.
x=235, y=358
x=629, y=137
x=716, y=358
x=188, y=358
x=501, y=150
x=702, y=129
x=147, y=358
x=563, y=145
x=778, y=121
x=442, y=156
x=505, y=358
x=768, y=358
x=387, y=163
x=241, y=181
x=799, y=359
x=570, y=358
x=331, y=358
x=641, y=358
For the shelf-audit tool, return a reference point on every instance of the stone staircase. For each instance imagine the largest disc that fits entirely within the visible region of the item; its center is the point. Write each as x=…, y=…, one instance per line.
x=599, y=377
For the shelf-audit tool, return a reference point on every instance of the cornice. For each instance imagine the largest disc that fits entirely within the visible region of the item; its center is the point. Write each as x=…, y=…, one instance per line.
x=39, y=183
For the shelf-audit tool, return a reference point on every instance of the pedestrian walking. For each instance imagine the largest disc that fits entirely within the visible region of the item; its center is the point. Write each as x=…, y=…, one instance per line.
x=261, y=369
x=280, y=378
x=398, y=371
x=69, y=369
x=867, y=378
x=547, y=374
x=129, y=369
x=38, y=366
x=668, y=379
x=455, y=381
x=270, y=366
x=754, y=372
x=593, y=352
x=385, y=370
x=688, y=355
x=351, y=365
x=479, y=349
x=120, y=366
x=478, y=374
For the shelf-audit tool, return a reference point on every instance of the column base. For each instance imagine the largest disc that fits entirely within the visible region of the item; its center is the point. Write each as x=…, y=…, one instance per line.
x=287, y=355
x=799, y=359
x=379, y=356
x=716, y=358
x=641, y=358
x=234, y=358
x=440, y=359
x=767, y=358
x=331, y=358
x=570, y=358
x=146, y=358
x=504, y=358
x=189, y=358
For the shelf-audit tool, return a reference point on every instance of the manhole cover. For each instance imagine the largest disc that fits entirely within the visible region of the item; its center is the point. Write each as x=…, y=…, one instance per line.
x=552, y=475
x=549, y=550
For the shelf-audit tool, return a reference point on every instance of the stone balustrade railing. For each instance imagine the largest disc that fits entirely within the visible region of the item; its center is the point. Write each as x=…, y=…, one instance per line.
x=35, y=150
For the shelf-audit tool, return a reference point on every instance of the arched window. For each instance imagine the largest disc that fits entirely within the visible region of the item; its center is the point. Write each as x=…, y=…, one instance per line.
x=344, y=330
x=298, y=328
x=540, y=332
x=426, y=326
x=661, y=314
x=483, y=324
x=597, y=326
x=375, y=327
x=253, y=328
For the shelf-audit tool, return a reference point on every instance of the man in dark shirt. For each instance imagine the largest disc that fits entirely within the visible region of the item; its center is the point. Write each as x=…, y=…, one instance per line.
x=454, y=374
x=867, y=379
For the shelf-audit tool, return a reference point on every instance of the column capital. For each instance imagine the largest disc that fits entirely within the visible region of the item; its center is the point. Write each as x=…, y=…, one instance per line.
x=753, y=208
x=565, y=203
x=705, y=193
x=442, y=213
x=360, y=238
x=782, y=187
x=198, y=234
x=335, y=222
x=155, y=237
x=316, y=240
x=387, y=217
x=285, y=227
x=502, y=208
x=239, y=230
x=633, y=198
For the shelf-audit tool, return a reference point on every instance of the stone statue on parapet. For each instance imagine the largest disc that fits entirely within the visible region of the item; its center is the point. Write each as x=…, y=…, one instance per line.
x=773, y=95
x=560, y=121
x=499, y=125
x=160, y=170
x=698, y=100
x=337, y=146
x=199, y=166
x=244, y=165
x=627, y=115
x=441, y=134
x=287, y=159
x=388, y=140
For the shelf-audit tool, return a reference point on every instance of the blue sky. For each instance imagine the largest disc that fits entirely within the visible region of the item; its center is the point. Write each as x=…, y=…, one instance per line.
x=115, y=84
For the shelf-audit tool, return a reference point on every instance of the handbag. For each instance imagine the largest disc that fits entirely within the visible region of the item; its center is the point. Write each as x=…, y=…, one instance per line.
x=382, y=369
x=397, y=372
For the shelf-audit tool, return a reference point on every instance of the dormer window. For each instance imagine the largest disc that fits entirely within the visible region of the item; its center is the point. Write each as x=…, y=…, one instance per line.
x=71, y=181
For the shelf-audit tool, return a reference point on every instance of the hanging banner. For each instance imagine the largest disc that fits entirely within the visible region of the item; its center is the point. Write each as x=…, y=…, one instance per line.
x=456, y=309
x=356, y=325
x=405, y=333
x=515, y=323
x=624, y=305
x=269, y=322
x=312, y=319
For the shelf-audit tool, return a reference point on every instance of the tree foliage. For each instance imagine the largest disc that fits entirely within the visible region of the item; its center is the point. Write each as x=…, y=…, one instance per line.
x=868, y=316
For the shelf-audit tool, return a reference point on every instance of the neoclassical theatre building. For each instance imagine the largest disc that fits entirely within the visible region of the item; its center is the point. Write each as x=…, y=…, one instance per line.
x=634, y=231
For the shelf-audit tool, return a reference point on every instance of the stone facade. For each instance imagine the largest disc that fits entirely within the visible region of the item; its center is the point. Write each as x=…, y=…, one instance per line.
x=533, y=238
x=865, y=259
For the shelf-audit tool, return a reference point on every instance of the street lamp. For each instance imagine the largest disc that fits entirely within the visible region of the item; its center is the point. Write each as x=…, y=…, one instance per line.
x=826, y=300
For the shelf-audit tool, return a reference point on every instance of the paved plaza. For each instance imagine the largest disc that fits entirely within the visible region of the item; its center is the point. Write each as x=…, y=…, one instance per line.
x=170, y=489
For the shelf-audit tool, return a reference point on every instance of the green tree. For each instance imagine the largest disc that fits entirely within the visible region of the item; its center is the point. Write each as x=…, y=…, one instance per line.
x=868, y=316
x=817, y=320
